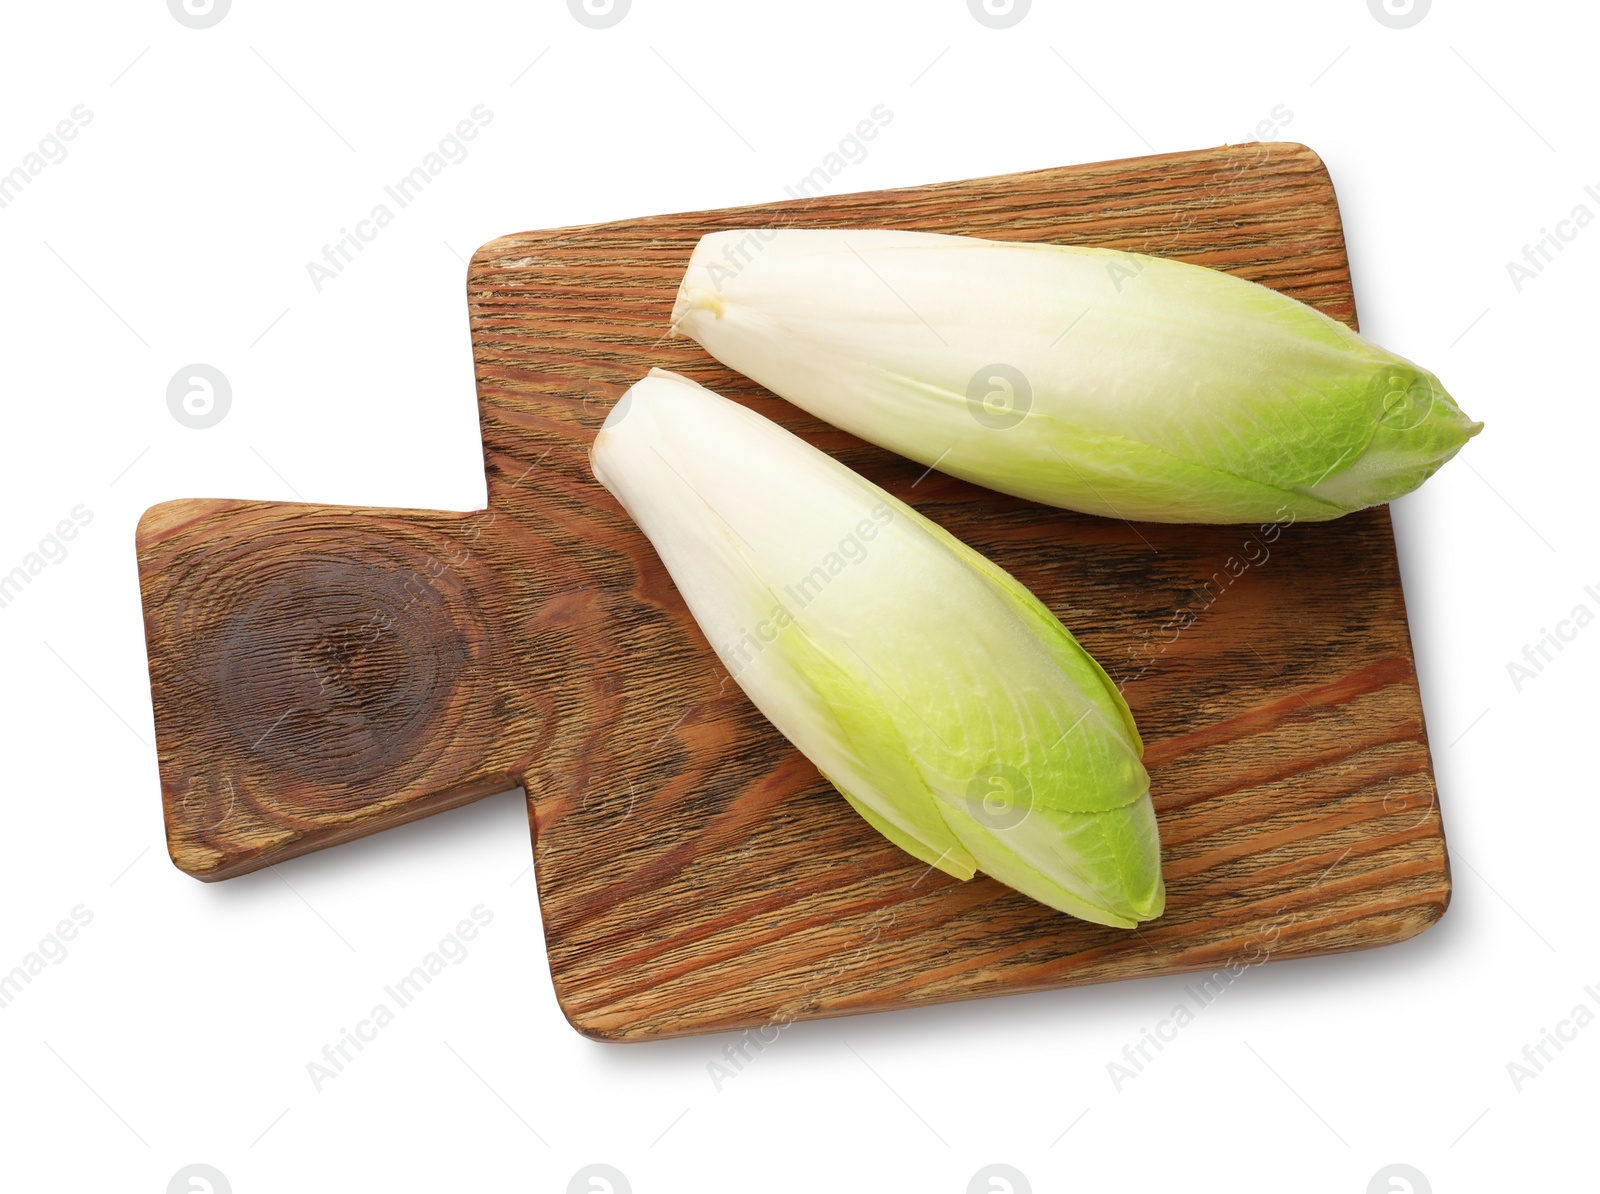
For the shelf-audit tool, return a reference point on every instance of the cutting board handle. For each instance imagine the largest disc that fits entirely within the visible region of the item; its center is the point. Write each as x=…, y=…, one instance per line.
x=320, y=672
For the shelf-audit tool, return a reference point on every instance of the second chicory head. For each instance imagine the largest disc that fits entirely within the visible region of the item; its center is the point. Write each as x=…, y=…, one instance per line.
x=945, y=702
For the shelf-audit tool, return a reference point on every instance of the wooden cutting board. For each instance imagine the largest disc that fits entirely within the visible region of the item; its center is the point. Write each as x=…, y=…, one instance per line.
x=320, y=673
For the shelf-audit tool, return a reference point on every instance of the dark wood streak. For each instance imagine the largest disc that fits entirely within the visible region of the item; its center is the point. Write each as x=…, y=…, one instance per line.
x=320, y=673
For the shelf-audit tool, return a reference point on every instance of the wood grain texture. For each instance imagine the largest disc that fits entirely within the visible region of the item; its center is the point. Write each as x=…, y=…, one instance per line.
x=320, y=673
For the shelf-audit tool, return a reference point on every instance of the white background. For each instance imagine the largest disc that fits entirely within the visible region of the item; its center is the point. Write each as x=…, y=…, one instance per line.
x=218, y=162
